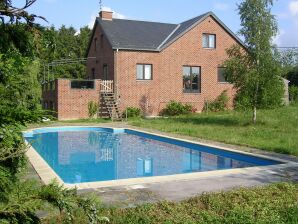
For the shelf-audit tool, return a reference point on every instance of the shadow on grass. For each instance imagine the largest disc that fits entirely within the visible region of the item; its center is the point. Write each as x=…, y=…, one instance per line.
x=223, y=121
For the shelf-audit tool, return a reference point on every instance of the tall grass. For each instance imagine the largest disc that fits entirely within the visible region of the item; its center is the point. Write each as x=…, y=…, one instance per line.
x=272, y=204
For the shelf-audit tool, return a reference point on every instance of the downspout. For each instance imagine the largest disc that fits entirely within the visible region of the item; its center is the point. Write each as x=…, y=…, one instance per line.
x=116, y=89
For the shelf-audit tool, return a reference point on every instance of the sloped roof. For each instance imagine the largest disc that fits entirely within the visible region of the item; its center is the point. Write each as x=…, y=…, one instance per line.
x=150, y=36
x=130, y=34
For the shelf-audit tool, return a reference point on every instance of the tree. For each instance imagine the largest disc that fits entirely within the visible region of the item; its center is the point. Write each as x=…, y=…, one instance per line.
x=64, y=43
x=254, y=71
x=15, y=14
x=19, y=104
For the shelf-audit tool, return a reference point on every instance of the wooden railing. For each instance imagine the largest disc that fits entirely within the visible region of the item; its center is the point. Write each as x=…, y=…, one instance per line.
x=106, y=86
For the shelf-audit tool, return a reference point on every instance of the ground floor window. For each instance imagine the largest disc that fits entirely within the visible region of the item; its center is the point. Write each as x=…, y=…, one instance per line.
x=191, y=79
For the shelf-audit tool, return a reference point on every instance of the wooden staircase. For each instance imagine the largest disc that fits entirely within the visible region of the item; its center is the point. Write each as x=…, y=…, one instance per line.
x=109, y=101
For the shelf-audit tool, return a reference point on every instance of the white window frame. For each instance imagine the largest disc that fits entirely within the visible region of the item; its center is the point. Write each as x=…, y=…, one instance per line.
x=145, y=72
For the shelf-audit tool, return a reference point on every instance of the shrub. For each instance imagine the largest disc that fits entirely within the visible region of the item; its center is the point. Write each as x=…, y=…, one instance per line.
x=219, y=104
x=293, y=92
x=132, y=112
x=176, y=108
x=92, y=109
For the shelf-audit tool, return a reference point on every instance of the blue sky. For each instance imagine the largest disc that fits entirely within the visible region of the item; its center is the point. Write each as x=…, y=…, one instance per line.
x=80, y=13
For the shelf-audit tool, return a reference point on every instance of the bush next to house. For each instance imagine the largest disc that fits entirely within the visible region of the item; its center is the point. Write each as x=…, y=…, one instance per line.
x=219, y=104
x=176, y=108
x=293, y=92
x=92, y=109
x=132, y=112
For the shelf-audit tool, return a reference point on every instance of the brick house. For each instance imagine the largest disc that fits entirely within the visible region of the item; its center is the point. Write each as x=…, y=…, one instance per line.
x=148, y=64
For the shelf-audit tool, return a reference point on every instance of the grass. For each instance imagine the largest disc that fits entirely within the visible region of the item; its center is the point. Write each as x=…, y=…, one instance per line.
x=79, y=122
x=274, y=204
x=276, y=130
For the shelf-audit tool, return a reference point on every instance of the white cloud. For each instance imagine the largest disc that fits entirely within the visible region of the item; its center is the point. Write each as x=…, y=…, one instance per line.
x=293, y=6
x=92, y=21
x=278, y=38
x=116, y=15
x=221, y=6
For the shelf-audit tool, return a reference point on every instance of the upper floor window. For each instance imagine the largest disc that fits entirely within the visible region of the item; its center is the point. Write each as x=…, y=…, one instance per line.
x=209, y=41
x=144, y=72
x=221, y=75
x=101, y=40
x=95, y=44
x=105, y=71
x=93, y=73
x=191, y=79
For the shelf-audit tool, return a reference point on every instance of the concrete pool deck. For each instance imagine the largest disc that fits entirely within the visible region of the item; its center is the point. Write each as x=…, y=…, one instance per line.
x=175, y=189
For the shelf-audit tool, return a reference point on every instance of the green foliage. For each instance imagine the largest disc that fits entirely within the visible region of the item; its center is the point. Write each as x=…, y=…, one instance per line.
x=176, y=108
x=276, y=203
x=20, y=91
x=293, y=92
x=255, y=72
x=92, y=109
x=16, y=38
x=64, y=43
x=219, y=104
x=20, y=94
x=132, y=112
x=12, y=149
x=72, y=207
x=292, y=76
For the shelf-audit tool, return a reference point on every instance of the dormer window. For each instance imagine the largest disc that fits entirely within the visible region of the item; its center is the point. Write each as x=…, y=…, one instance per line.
x=209, y=41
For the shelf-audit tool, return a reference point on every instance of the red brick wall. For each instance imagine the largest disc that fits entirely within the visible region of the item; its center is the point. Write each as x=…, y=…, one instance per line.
x=100, y=55
x=167, y=81
x=49, y=96
x=71, y=103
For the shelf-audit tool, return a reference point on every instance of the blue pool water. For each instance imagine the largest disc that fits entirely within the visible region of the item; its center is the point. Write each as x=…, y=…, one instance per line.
x=100, y=154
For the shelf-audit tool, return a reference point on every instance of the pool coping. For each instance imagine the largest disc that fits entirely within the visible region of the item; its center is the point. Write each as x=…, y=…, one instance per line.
x=47, y=174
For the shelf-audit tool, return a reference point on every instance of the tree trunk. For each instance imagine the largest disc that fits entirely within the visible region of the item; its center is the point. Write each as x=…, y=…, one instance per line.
x=254, y=118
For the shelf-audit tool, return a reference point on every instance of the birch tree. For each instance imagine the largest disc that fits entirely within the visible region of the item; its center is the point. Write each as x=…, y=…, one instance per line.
x=253, y=70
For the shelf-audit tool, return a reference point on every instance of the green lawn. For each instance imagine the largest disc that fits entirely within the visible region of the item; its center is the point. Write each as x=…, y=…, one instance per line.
x=276, y=130
x=277, y=203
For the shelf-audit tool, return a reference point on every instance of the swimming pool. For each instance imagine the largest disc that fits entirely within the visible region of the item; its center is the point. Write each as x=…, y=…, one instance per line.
x=92, y=154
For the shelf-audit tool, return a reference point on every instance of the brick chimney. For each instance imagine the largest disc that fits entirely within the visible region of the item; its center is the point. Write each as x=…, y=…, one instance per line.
x=106, y=15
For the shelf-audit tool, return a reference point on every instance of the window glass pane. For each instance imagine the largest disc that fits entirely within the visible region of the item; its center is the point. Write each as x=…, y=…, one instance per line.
x=205, y=40
x=105, y=72
x=76, y=84
x=195, y=78
x=148, y=71
x=186, y=78
x=148, y=166
x=211, y=41
x=221, y=75
x=195, y=70
x=139, y=71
